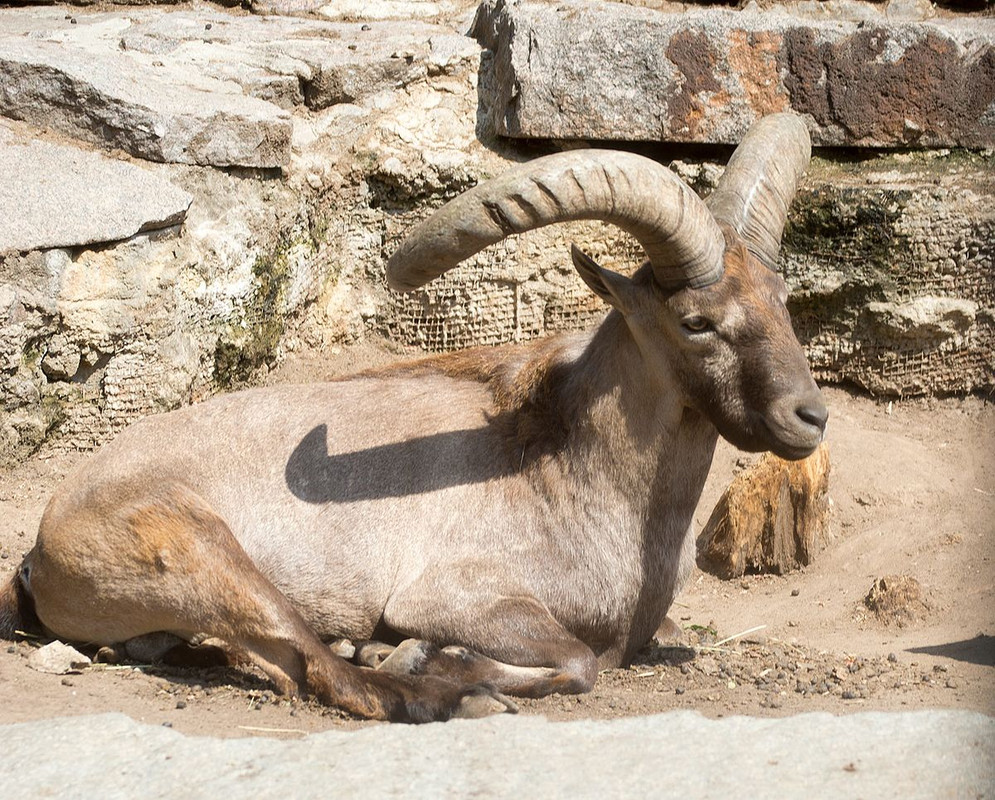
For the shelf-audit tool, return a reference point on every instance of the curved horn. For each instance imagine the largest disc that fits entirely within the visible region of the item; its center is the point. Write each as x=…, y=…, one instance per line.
x=681, y=239
x=760, y=181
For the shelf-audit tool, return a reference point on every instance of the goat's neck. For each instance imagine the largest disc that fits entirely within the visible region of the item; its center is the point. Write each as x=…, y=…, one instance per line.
x=632, y=438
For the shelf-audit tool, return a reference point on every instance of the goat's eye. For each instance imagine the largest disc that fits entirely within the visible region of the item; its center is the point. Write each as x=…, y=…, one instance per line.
x=696, y=324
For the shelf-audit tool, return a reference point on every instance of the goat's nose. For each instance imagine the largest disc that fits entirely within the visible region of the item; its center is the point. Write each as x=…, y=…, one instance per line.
x=815, y=414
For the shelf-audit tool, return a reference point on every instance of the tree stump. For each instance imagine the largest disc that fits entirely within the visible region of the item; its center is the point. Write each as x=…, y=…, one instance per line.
x=772, y=518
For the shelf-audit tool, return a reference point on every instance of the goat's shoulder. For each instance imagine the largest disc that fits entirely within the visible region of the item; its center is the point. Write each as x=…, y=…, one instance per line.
x=527, y=384
x=511, y=370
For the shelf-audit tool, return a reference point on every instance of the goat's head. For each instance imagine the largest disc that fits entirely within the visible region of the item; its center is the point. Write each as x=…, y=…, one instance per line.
x=706, y=310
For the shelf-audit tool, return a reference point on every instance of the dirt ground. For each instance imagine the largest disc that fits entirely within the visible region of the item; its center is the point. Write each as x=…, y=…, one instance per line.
x=913, y=491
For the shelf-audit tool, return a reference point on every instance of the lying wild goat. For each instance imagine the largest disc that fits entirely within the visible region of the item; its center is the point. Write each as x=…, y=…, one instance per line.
x=524, y=509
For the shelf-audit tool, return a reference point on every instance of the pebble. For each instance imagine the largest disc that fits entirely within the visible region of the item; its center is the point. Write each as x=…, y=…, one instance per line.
x=679, y=690
x=892, y=658
x=952, y=684
x=181, y=704
x=795, y=592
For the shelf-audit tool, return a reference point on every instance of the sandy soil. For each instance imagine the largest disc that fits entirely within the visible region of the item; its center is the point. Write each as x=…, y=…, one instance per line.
x=913, y=490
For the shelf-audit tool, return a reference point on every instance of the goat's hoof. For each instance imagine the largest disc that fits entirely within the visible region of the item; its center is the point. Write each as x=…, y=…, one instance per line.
x=372, y=654
x=484, y=702
x=110, y=655
x=343, y=648
x=409, y=657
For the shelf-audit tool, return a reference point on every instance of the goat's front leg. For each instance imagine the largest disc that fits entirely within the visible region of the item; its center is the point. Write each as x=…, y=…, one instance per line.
x=504, y=637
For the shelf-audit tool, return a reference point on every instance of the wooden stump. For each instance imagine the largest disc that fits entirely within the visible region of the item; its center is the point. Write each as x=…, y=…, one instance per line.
x=772, y=518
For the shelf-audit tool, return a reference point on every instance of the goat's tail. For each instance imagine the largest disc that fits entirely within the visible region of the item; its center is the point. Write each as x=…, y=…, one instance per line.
x=17, y=608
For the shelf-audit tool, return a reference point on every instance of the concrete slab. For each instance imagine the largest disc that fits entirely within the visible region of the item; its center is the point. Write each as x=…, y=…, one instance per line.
x=909, y=755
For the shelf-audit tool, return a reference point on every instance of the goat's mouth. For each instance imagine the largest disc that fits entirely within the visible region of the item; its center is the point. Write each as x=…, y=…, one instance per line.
x=791, y=437
x=792, y=440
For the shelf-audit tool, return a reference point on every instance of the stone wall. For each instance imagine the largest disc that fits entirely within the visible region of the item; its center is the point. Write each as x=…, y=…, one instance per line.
x=196, y=190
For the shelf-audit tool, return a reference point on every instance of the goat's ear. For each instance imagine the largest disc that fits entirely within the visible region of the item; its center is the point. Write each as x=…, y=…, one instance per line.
x=611, y=287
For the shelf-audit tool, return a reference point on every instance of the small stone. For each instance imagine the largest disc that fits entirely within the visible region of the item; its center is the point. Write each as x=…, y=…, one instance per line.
x=892, y=658
x=679, y=690
x=167, y=724
x=849, y=694
x=795, y=592
x=952, y=683
x=68, y=682
x=57, y=658
x=181, y=704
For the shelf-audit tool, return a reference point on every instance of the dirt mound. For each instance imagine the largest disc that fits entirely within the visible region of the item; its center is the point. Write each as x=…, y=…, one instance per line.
x=897, y=599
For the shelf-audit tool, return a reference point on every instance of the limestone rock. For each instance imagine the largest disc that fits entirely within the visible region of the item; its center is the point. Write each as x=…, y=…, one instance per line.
x=924, y=318
x=58, y=658
x=591, y=70
x=772, y=518
x=149, y=112
x=354, y=10
x=891, y=266
x=66, y=197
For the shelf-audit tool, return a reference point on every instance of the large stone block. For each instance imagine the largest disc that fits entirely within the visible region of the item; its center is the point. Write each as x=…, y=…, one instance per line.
x=151, y=112
x=589, y=70
x=67, y=197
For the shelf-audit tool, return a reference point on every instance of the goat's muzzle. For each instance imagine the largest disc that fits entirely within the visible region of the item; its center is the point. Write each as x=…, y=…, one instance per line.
x=797, y=424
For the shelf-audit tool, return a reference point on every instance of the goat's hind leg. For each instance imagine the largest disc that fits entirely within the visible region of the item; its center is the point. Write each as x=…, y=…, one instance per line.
x=114, y=570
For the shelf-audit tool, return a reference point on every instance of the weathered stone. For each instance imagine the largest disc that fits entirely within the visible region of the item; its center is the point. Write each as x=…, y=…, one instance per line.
x=58, y=658
x=153, y=113
x=357, y=10
x=891, y=265
x=924, y=319
x=287, y=62
x=66, y=197
x=589, y=70
x=513, y=757
x=772, y=518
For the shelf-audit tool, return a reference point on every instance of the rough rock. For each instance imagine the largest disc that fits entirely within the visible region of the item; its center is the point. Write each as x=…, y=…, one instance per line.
x=859, y=755
x=148, y=112
x=891, y=263
x=67, y=197
x=58, y=658
x=204, y=87
x=590, y=70
x=93, y=338
x=355, y=10
x=773, y=518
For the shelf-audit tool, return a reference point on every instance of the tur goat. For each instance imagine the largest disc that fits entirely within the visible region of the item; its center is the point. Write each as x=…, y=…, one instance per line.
x=516, y=517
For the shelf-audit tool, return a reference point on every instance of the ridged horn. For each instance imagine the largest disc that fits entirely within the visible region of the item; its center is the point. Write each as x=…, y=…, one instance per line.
x=760, y=182
x=681, y=239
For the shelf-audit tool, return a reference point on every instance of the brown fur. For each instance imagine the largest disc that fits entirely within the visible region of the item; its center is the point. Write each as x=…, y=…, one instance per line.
x=17, y=612
x=527, y=383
